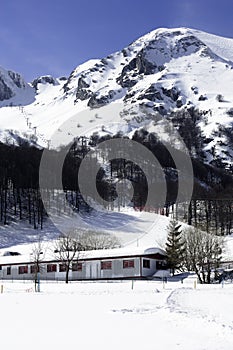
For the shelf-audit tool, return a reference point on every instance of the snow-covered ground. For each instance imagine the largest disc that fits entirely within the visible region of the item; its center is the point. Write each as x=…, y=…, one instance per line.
x=116, y=315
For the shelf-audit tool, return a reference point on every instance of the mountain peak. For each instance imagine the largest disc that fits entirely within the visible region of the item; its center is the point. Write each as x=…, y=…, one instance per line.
x=10, y=81
x=44, y=79
x=167, y=71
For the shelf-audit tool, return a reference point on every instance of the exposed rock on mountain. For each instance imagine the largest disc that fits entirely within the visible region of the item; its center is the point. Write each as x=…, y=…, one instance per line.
x=170, y=72
x=5, y=91
x=45, y=79
x=9, y=82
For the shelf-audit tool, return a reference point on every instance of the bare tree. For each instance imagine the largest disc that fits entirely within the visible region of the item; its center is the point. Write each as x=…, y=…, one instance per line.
x=202, y=253
x=91, y=240
x=67, y=247
x=37, y=257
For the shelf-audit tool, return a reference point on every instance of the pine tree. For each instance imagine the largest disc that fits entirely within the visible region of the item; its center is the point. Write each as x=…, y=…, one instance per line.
x=174, y=246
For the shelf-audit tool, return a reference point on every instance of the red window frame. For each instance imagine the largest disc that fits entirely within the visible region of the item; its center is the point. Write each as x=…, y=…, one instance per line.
x=52, y=268
x=34, y=269
x=77, y=267
x=22, y=269
x=62, y=267
x=128, y=264
x=106, y=265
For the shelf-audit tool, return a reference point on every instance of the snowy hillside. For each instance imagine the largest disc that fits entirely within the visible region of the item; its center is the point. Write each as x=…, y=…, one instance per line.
x=164, y=71
x=134, y=230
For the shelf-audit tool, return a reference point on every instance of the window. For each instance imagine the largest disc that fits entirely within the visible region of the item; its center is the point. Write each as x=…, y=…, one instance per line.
x=51, y=268
x=22, y=269
x=62, y=267
x=146, y=263
x=128, y=264
x=0, y=267
x=8, y=270
x=106, y=265
x=34, y=269
x=77, y=267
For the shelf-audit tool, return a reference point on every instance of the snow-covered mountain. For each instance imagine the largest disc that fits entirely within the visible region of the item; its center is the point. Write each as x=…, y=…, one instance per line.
x=166, y=71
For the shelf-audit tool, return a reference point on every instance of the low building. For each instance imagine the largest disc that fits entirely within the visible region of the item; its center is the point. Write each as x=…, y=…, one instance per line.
x=120, y=263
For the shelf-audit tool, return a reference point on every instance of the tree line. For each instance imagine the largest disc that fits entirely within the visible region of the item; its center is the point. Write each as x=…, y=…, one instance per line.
x=210, y=207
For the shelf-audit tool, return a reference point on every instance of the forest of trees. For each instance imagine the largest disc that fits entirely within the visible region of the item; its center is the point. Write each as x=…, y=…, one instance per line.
x=210, y=208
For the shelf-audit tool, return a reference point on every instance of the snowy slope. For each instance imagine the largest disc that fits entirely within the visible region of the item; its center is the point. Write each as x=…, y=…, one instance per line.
x=131, y=227
x=222, y=47
x=135, y=231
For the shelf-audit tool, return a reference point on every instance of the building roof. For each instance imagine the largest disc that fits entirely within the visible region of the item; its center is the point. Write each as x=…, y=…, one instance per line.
x=26, y=256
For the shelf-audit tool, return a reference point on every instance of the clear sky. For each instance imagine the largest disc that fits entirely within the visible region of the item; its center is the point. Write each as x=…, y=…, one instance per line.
x=54, y=36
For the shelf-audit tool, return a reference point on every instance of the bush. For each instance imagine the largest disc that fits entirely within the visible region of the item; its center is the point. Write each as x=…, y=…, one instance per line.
x=220, y=98
x=230, y=112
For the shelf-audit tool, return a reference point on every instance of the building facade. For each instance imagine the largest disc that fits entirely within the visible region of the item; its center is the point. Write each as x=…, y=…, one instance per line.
x=119, y=263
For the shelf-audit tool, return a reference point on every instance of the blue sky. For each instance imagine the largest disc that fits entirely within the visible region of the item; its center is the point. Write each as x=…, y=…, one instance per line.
x=54, y=36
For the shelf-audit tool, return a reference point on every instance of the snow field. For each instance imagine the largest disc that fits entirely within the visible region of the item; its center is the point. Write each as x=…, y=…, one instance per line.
x=116, y=315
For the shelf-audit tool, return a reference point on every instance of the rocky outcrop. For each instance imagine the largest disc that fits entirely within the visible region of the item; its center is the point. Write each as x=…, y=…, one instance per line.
x=202, y=98
x=5, y=92
x=128, y=77
x=145, y=66
x=97, y=101
x=17, y=79
x=172, y=93
x=151, y=94
x=138, y=65
x=83, y=91
x=188, y=44
x=45, y=79
x=9, y=82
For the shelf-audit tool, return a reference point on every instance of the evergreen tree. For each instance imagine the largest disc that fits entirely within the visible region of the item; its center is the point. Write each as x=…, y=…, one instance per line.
x=174, y=246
